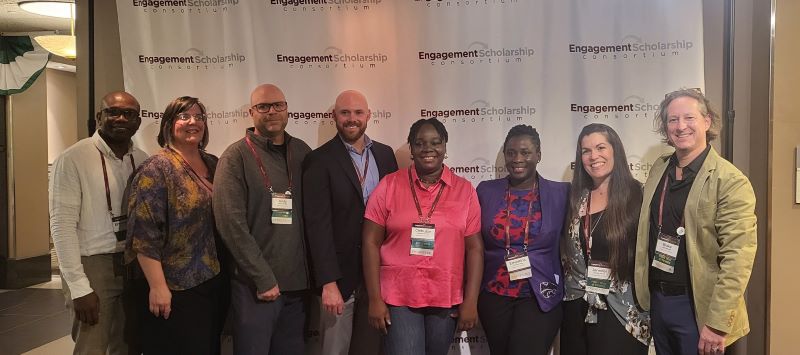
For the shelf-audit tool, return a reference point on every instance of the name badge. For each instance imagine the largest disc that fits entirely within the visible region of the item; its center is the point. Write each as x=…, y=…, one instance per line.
x=281, y=201
x=422, y=239
x=666, y=253
x=519, y=266
x=598, y=277
x=119, y=223
x=281, y=208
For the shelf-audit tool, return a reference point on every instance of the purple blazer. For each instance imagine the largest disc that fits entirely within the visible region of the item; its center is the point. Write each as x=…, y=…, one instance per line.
x=547, y=282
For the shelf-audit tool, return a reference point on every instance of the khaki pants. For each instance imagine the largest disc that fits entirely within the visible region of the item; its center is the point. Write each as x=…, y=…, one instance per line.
x=108, y=336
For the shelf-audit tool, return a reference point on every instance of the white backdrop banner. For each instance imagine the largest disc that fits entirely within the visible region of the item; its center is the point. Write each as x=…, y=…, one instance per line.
x=480, y=66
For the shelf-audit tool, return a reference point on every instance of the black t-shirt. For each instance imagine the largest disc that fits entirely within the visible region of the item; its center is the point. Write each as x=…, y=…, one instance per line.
x=600, y=250
x=674, y=206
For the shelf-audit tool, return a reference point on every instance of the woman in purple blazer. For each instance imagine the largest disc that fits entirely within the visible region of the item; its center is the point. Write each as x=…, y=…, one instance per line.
x=522, y=220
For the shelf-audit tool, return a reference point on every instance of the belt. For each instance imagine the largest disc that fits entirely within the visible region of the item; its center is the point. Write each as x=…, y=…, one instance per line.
x=669, y=288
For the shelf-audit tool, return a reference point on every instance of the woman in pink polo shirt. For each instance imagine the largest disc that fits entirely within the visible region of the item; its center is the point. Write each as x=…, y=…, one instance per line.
x=422, y=227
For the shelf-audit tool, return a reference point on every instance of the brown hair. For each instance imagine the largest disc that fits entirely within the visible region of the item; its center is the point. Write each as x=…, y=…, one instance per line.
x=179, y=105
x=621, y=218
x=703, y=104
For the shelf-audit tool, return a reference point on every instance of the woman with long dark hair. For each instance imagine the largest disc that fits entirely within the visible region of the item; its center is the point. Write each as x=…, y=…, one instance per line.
x=600, y=314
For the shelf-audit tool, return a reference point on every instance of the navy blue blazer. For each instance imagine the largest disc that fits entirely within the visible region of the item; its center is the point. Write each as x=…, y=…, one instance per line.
x=333, y=207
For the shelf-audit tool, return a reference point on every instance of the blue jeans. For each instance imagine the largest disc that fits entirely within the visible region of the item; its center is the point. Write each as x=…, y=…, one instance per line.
x=417, y=331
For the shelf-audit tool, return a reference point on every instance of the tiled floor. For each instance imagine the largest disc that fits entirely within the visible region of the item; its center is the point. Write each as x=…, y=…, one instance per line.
x=34, y=320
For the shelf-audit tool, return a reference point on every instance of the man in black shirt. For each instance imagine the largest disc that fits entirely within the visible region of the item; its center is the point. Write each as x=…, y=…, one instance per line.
x=697, y=235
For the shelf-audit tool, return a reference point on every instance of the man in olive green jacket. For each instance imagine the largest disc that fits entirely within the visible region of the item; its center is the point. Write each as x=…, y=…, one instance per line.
x=697, y=235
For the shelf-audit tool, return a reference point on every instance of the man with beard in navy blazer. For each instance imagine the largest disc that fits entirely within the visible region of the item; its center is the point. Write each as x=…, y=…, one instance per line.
x=338, y=178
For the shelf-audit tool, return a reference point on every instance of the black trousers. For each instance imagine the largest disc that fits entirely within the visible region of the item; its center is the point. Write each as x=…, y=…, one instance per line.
x=606, y=337
x=517, y=325
x=195, y=321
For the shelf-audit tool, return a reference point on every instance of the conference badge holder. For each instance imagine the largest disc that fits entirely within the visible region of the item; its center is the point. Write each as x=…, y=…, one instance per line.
x=519, y=266
x=666, y=252
x=598, y=277
x=422, y=238
x=119, y=224
x=281, y=208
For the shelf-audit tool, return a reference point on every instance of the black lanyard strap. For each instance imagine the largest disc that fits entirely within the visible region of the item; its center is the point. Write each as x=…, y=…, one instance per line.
x=416, y=199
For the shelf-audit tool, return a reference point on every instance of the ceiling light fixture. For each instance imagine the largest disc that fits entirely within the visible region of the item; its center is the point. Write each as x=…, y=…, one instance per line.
x=53, y=8
x=60, y=45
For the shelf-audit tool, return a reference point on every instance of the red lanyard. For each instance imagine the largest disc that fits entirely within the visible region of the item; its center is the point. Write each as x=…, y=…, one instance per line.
x=416, y=199
x=661, y=204
x=527, y=220
x=587, y=226
x=191, y=170
x=267, y=182
x=105, y=178
x=361, y=177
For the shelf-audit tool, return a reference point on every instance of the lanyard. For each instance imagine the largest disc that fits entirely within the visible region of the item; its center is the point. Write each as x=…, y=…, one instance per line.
x=661, y=204
x=267, y=183
x=587, y=226
x=527, y=220
x=105, y=178
x=191, y=170
x=361, y=176
x=416, y=199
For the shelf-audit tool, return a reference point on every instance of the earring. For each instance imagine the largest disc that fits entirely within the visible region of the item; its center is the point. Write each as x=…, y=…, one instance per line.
x=412, y=156
x=445, y=155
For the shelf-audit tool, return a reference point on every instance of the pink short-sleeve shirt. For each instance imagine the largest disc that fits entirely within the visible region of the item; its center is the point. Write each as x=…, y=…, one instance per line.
x=423, y=281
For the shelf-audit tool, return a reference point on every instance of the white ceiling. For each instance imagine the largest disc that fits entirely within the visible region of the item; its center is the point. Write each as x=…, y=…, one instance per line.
x=13, y=19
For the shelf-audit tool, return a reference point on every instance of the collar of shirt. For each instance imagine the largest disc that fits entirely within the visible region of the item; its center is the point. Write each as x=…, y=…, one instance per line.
x=105, y=149
x=447, y=177
x=266, y=143
x=689, y=171
x=692, y=168
x=351, y=149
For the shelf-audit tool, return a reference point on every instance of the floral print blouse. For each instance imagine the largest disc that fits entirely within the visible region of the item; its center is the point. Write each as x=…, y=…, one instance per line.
x=518, y=203
x=620, y=298
x=170, y=219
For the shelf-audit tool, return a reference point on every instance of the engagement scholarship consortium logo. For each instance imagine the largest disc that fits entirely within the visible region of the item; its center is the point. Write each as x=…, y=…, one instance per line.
x=479, y=169
x=630, y=48
x=323, y=6
x=477, y=53
x=168, y=7
x=445, y=4
x=323, y=118
x=192, y=59
x=632, y=107
x=332, y=58
x=481, y=112
x=215, y=117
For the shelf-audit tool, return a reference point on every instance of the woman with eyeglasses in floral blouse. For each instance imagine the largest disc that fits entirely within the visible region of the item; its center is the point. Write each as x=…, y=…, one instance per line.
x=172, y=235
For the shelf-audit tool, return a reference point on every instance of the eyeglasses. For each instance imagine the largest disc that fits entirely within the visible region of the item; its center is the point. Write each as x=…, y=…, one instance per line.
x=183, y=116
x=117, y=112
x=264, y=107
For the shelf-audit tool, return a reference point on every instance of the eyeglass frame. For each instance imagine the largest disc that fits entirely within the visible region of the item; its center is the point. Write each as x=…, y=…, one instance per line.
x=197, y=117
x=128, y=113
x=271, y=105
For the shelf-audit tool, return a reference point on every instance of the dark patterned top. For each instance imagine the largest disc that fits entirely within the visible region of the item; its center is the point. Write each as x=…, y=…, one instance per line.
x=501, y=283
x=170, y=219
x=620, y=299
